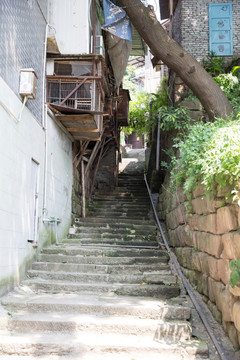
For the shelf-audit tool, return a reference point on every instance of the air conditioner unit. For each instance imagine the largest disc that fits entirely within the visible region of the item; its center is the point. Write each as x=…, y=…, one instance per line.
x=100, y=50
x=28, y=83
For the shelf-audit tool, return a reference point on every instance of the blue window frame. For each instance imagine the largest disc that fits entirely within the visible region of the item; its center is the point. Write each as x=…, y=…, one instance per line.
x=220, y=29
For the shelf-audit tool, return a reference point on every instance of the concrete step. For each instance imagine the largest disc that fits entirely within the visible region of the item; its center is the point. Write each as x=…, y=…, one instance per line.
x=100, y=305
x=57, y=286
x=72, y=322
x=82, y=346
x=103, y=269
x=159, y=277
x=103, y=260
x=111, y=251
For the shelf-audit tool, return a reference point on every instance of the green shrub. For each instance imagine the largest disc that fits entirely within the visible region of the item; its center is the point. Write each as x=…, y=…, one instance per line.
x=209, y=155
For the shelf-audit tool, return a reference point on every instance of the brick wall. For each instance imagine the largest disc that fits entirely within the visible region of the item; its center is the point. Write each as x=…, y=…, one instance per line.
x=195, y=28
x=22, y=28
x=204, y=241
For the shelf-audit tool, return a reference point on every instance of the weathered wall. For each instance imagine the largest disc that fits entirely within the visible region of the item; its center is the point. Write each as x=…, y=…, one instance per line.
x=21, y=46
x=204, y=241
x=21, y=142
x=195, y=27
x=71, y=24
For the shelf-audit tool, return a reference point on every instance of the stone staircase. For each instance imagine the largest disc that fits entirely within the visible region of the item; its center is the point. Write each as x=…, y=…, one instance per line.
x=106, y=293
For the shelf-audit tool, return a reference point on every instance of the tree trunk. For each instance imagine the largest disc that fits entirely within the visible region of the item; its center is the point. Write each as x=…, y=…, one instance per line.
x=176, y=58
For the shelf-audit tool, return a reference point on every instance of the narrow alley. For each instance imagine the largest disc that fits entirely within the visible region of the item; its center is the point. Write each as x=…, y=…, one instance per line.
x=106, y=292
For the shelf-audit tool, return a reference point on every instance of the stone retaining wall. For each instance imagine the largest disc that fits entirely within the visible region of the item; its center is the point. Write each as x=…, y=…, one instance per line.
x=204, y=241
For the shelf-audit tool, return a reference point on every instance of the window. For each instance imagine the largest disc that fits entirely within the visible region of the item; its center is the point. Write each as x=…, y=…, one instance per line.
x=220, y=29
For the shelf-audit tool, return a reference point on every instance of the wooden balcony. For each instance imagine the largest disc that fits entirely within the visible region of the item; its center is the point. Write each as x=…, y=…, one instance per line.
x=78, y=101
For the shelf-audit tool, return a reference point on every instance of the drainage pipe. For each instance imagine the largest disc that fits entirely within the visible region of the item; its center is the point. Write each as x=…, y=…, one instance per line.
x=185, y=282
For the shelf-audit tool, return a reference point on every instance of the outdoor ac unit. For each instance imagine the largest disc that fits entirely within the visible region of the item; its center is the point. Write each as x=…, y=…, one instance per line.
x=28, y=83
x=100, y=50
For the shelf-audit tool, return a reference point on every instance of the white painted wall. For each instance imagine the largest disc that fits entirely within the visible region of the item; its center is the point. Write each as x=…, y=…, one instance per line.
x=70, y=19
x=20, y=142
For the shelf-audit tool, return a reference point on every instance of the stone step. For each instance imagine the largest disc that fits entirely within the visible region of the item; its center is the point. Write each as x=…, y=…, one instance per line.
x=100, y=305
x=122, y=204
x=111, y=251
x=102, y=226
x=132, y=214
x=120, y=215
x=126, y=241
x=158, y=277
x=56, y=286
x=103, y=269
x=103, y=260
x=72, y=322
x=115, y=231
x=83, y=346
x=110, y=222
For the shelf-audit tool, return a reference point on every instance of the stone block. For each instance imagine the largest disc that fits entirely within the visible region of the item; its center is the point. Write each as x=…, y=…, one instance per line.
x=225, y=302
x=214, y=287
x=214, y=310
x=203, y=258
x=236, y=315
x=196, y=261
x=235, y=291
x=222, y=192
x=184, y=234
x=226, y=219
x=231, y=245
x=176, y=217
x=213, y=268
x=173, y=238
x=232, y=333
x=209, y=243
x=186, y=257
x=192, y=104
x=199, y=191
x=204, y=223
x=203, y=205
x=180, y=196
x=196, y=115
x=205, y=284
x=223, y=270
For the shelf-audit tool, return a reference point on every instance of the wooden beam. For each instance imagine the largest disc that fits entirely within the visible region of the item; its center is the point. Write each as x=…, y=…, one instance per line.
x=92, y=157
x=82, y=130
x=79, y=117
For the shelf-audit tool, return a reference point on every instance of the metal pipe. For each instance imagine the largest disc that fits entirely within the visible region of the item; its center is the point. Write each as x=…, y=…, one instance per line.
x=184, y=280
x=158, y=145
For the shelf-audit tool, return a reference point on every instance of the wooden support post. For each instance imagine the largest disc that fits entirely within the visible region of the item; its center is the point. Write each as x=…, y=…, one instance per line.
x=83, y=190
x=92, y=157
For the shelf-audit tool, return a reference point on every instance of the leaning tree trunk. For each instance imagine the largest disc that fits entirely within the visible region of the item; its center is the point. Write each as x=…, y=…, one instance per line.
x=176, y=58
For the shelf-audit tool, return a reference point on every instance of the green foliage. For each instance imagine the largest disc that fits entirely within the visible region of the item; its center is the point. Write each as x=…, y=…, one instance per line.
x=234, y=266
x=141, y=106
x=139, y=113
x=129, y=80
x=213, y=64
x=230, y=84
x=210, y=155
x=173, y=118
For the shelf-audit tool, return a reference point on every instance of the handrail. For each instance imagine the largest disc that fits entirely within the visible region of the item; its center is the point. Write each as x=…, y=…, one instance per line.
x=184, y=280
